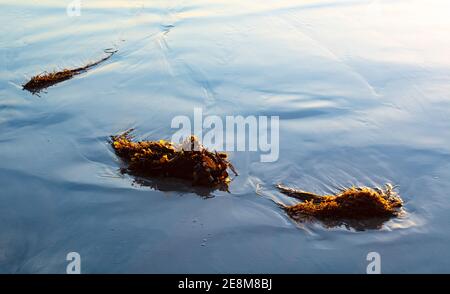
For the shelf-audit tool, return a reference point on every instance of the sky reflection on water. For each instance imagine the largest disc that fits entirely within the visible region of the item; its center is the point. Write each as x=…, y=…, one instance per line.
x=361, y=88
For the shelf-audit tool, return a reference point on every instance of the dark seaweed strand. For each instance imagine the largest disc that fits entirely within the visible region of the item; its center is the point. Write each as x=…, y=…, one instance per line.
x=45, y=80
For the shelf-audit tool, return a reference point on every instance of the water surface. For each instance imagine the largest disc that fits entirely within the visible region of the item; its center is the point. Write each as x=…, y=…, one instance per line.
x=361, y=88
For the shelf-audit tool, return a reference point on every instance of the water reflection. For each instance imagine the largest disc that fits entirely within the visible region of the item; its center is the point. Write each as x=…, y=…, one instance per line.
x=361, y=88
x=165, y=184
x=349, y=224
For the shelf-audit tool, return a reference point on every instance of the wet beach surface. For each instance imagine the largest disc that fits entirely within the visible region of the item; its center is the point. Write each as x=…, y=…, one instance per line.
x=362, y=89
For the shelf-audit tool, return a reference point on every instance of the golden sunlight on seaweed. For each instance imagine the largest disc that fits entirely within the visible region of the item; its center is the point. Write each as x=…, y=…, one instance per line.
x=357, y=207
x=45, y=80
x=189, y=160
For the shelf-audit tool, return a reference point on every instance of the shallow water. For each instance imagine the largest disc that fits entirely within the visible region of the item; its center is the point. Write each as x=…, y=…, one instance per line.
x=361, y=88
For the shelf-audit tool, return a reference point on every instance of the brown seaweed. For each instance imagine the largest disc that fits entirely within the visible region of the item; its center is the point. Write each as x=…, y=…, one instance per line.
x=357, y=207
x=188, y=161
x=47, y=79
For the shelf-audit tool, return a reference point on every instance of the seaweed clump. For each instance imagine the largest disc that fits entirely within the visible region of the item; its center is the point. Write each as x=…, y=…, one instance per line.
x=357, y=207
x=189, y=161
x=46, y=79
